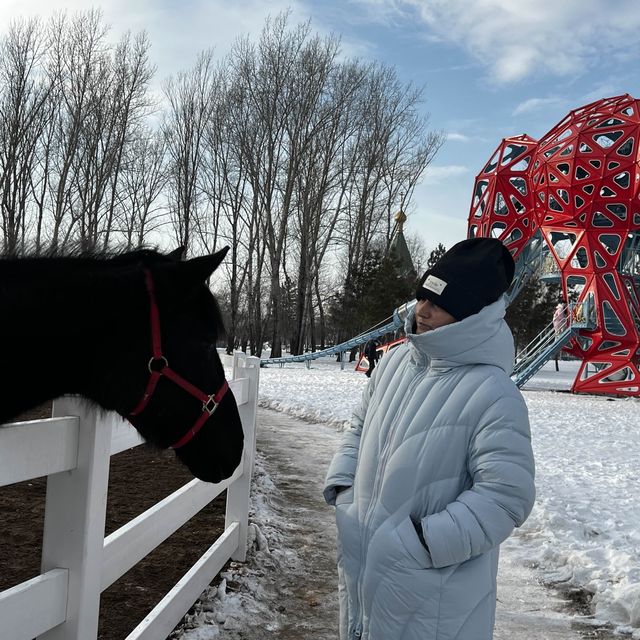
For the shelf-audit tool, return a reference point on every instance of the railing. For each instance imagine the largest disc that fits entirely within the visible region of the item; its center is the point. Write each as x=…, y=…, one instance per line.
x=528, y=265
x=397, y=320
x=73, y=449
x=550, y=340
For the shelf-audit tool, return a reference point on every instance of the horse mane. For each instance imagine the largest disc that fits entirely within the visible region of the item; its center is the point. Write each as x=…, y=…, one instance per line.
x=76, y=255
x=79, y=250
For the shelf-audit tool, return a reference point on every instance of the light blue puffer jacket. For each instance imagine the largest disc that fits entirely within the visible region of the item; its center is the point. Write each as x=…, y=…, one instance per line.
x=441, y=438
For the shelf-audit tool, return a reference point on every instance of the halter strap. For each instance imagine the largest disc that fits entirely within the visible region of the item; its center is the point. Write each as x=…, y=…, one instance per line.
x=159, y=366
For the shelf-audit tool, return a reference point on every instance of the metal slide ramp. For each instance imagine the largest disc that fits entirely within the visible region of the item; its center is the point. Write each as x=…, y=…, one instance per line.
x=397, y=321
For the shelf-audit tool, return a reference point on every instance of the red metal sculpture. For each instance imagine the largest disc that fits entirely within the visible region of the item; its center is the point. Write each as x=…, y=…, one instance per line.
x=584, y=182
x=502, y=206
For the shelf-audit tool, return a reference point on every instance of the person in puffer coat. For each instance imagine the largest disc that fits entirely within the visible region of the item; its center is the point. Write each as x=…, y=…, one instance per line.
x=436, y=469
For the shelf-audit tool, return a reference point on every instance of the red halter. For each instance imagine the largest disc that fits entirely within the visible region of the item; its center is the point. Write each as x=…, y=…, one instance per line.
x=159, y=366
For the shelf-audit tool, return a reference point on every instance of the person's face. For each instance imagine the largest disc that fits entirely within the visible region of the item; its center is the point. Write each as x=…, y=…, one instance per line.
x=430, y=316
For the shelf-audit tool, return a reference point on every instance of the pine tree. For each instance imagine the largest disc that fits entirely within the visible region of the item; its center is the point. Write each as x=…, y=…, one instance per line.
x=436, y=254
x=370, y=297
x=531, y=311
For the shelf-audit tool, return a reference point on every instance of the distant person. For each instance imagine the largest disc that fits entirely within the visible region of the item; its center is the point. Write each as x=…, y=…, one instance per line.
x=437, y=468
x=371, y=354
x=560, y=317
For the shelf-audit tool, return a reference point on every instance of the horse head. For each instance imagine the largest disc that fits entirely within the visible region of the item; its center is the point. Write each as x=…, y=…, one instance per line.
x=135, y=333
x=178, y=396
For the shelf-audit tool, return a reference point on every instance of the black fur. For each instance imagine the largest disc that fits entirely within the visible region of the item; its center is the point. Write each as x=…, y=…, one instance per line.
x=79, y=324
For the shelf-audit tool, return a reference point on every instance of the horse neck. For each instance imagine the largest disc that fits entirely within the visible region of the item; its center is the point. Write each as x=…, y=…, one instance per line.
x=58, y=326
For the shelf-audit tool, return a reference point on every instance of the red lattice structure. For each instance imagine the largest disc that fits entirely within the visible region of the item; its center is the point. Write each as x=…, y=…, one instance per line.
x=583, y=184
x=585, y=179
x=502, y=204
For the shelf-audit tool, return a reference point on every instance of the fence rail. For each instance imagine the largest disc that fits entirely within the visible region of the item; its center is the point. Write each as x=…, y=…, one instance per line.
x=73, y=449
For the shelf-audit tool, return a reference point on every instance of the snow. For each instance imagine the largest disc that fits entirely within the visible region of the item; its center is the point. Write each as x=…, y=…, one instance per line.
x=323, y=393
x=584, y=531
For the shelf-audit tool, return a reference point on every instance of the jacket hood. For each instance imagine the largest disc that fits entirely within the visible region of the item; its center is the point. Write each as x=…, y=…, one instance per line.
x=482, y=338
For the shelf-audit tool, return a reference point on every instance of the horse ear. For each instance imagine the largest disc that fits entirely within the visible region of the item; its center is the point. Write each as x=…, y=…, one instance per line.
x=177, y=280
x=198, y=270
x=177, y=254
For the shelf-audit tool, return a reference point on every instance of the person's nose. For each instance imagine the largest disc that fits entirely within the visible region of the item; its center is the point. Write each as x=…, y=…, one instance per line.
x=425, y=308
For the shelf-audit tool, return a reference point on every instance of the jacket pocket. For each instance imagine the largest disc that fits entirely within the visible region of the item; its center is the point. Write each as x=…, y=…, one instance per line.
x=412, y=544
x=345, y=496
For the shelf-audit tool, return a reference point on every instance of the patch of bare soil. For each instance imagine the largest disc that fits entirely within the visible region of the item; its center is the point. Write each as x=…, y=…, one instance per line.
x=579, y=601
x=138, y=479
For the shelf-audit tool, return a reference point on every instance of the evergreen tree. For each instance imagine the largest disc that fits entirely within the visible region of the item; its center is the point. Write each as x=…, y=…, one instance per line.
x=436, y=254
x=370, y=297
x=385, y=291
x=531, y=311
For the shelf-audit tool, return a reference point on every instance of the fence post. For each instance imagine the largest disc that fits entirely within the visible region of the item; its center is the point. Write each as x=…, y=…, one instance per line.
x=74, y=521
x=238, y=492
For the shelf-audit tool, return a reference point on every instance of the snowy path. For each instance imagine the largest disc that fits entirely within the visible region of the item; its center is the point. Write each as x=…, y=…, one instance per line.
x=287, y=591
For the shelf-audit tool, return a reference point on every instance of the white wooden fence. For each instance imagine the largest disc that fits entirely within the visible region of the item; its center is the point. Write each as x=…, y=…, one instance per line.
x=73, y=449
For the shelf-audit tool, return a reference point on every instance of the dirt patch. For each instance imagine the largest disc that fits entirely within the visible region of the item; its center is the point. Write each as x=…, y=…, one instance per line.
x=138, y=479
x=579, y=602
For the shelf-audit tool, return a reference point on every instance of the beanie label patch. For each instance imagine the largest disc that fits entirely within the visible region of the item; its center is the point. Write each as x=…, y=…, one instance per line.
x=432, y=283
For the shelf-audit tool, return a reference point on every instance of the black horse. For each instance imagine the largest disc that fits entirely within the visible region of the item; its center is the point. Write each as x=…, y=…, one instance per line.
x=135, y=333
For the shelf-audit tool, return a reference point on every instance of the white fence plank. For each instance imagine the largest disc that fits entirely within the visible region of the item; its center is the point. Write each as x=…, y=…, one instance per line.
x=248, y=368
x=123, y=435
x=227, y=360
x=74, y=522
x=170, y=610
x=240, y=389
x=45, y=596
x=37, y=448
x=125, y=547
x=77, y=561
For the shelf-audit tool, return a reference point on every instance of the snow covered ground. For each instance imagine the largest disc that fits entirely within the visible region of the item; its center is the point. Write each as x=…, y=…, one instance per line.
x=585, y=528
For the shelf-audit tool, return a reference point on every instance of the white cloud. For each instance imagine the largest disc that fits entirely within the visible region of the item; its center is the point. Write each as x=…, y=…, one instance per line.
x=537, y=104
x=452, y=136
x=517, y=39
x=437, y=174
x=178, y=32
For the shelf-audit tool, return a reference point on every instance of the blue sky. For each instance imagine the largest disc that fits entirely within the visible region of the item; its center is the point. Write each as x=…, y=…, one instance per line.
x=490, y=68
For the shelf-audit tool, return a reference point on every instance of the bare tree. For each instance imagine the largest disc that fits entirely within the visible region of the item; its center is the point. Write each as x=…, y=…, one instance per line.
x=303, y=151
x=191, y=98
x=320, y=189
x=267, y=74
x=78, y=50
x=128, y=105
x=390, y=151
x=23, y=98
x=226, y=191
x=70, y=105
x=139, y=209
x=418, y=251
x=116, y=104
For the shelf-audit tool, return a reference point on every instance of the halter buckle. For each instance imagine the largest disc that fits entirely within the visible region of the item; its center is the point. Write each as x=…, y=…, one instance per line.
x=210, y=405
